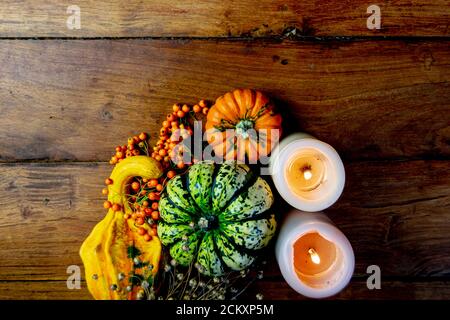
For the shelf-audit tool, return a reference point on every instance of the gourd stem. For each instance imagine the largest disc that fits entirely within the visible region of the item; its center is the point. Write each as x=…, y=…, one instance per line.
x=243, y=126
x=123, y=172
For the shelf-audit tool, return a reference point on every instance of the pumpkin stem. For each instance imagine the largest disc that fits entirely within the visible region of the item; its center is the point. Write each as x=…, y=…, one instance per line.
x=243, y=126
x=209, y=223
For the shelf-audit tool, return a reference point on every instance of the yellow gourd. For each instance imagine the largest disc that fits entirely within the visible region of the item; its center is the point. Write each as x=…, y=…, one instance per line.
x=105, y=252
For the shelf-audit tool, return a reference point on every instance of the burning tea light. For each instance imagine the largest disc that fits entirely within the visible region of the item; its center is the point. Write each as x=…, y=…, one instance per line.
x=315, y=258
x=308, y=173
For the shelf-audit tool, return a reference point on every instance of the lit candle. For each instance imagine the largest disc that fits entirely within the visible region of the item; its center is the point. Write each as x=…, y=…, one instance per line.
x=315, y=257
x=308, y=173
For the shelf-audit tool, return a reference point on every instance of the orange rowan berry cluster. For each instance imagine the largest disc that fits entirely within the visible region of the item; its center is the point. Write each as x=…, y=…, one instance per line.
x=143, y=194
x=175, y=128
x=137, y=145
x=143, y=197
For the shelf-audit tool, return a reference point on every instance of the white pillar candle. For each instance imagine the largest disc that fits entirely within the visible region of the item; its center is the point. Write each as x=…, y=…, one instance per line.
x=308, y=173
x=315, y=257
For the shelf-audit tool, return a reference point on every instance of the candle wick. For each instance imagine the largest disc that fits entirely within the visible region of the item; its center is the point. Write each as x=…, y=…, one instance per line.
x=315, y=258
x=307, y=174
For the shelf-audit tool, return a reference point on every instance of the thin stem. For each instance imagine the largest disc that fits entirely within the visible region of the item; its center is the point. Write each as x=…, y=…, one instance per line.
x=243, y=289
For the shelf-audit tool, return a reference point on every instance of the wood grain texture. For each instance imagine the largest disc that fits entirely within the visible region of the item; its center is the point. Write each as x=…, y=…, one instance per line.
x=395, y=213
x=75, y=100
x=255, y=18
x=41, y=290
x=275, y=289
x=357, y=290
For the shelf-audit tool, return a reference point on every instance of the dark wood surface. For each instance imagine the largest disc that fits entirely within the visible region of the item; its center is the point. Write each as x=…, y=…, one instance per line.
x=75, y=100
x=218, y=18
x=384, y=104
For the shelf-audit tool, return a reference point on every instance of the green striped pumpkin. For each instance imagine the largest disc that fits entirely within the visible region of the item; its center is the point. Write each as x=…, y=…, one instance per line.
x=218, y=215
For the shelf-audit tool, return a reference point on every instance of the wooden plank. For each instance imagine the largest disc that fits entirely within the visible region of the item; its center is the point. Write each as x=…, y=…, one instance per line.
x=59, y=207
x=75, y=100
x=275, y=289
x=256, y=18
x=357, y=290
x=41, y=290
x=396, y=214
x=393, y=214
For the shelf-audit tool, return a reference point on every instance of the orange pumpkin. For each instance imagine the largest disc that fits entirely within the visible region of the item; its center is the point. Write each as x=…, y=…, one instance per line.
x=243, y=124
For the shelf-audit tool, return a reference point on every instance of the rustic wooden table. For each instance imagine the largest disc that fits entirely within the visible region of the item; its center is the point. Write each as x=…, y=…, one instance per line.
x=381, y=97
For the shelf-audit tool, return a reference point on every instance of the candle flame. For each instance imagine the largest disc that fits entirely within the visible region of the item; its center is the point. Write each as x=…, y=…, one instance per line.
x=315, y=258
x=307, y=174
